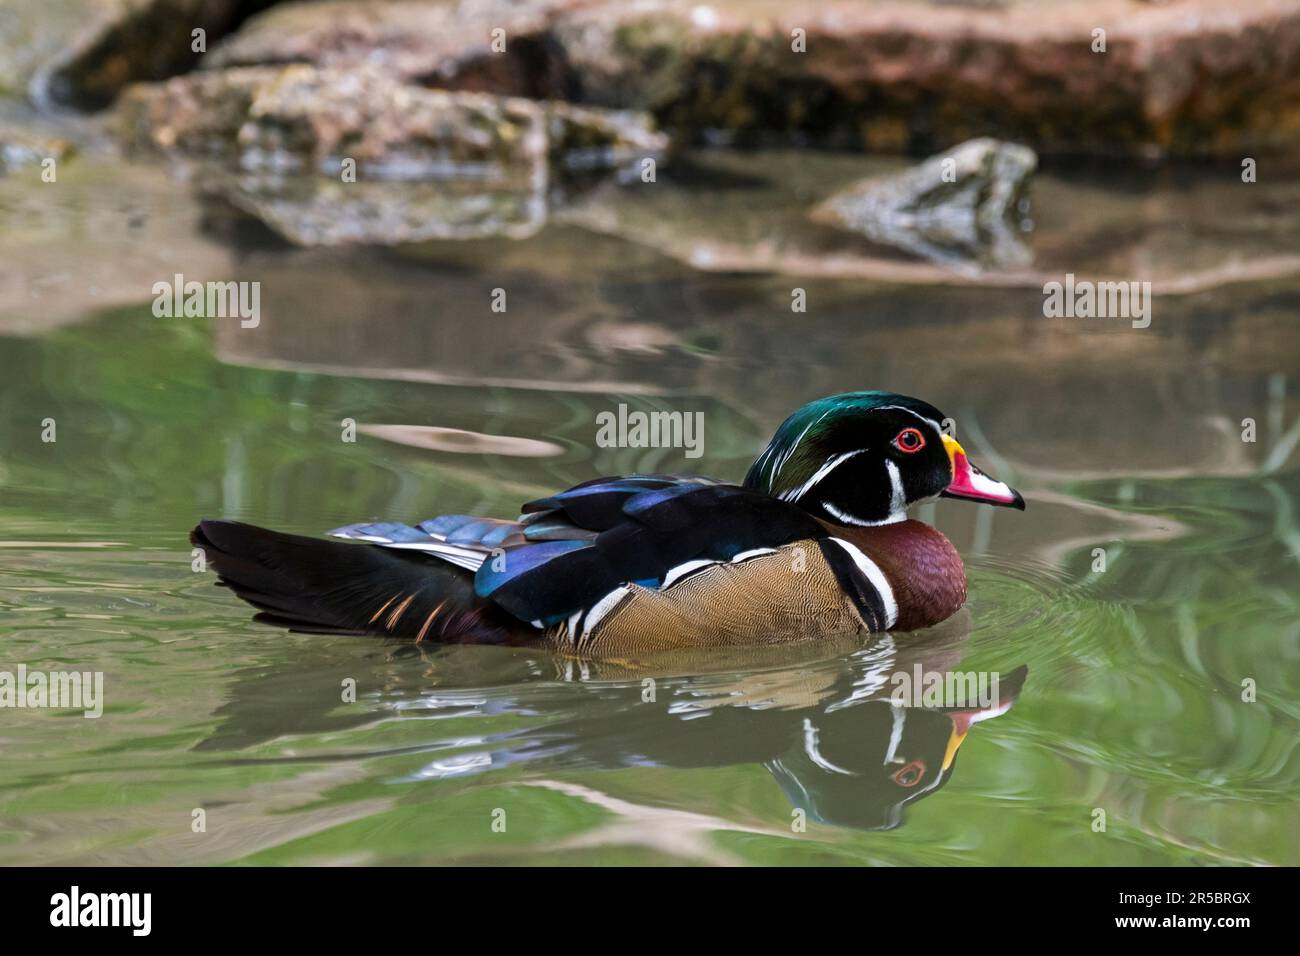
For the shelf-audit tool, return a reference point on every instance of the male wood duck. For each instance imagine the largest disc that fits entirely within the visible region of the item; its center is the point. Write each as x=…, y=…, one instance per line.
x=815, y=542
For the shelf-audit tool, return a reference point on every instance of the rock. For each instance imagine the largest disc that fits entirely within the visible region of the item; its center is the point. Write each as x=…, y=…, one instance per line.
x=197, y=116
x=34, y=32
x=583, y=138
x=304, y=117
x=433, y=44
x=1192, y=77
x=123, y=41
x=956, y=208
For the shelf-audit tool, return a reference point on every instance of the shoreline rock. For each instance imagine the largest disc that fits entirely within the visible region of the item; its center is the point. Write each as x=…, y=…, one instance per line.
x=1182, y=78
x=125, y=41
x=304, y=117
x=1186, y=78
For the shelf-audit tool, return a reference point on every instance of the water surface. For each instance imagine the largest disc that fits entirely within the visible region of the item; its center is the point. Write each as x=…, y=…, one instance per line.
x=1122, y=688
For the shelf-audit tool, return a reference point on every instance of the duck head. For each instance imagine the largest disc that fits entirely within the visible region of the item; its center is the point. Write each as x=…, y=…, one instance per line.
x=861, y=458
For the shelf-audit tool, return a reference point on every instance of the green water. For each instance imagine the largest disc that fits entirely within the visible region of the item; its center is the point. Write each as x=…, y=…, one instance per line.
x=1122, y=439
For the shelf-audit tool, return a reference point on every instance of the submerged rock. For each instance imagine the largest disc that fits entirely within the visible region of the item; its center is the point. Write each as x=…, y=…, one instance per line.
x=961, y=208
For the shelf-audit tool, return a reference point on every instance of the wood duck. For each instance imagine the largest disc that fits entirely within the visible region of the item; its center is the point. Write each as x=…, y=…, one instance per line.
x=815, y=542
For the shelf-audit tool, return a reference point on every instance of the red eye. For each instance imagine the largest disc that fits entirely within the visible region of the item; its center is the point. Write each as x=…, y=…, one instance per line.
x=909, y=440
x=910, y=775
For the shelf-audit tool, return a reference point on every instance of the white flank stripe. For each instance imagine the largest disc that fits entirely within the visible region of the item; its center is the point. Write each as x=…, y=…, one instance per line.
x=603, y=607
x=679, y=572
x=746, y=555
x=871, y=571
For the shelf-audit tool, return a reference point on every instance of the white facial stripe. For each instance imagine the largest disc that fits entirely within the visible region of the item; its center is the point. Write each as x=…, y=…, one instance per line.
x=793, y=445
x=871, y=571
x=898, y=717
x=831, y=463
x=915, y=414
x=811, y=748
x=843, y=517
x=897, y=500
x=788, y=452
x=995, y=711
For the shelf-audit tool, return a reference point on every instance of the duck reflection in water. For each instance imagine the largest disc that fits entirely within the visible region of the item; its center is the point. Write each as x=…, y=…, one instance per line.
x=829, y=730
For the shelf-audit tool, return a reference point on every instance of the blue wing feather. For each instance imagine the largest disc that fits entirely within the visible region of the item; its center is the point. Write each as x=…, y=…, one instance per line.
x=521, y=561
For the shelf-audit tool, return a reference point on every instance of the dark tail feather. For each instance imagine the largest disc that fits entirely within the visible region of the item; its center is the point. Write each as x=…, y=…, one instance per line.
x=332, y=587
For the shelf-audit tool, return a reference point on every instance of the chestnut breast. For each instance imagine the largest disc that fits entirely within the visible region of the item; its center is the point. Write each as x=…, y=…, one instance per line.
x=922, y=566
